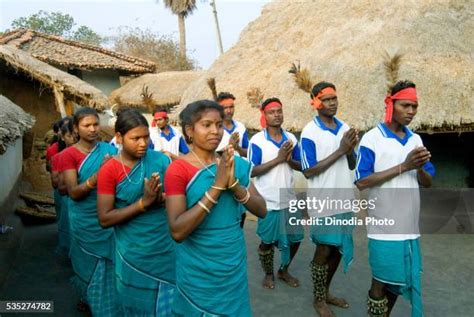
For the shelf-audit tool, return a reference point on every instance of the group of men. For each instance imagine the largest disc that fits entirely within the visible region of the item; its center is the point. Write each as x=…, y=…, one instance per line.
x=389, y=156
x=331, y=156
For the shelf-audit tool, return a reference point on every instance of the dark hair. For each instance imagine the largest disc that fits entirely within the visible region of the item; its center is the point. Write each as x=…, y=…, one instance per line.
x=269, y=100
x=65, y=120
x=320, y=86
x=121, y=110
x=224, y=95
x=66, y=127
x=160, y=109
x=193, y=112
x=402, y=84
x=129, y=120
x=82, y=113
x=57, y=125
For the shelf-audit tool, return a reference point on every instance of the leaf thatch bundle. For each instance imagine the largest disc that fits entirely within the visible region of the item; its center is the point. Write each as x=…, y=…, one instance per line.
x=151, y=90
x=345, y=45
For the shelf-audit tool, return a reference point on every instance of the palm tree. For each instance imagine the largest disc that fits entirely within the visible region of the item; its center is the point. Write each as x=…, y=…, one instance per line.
x=182, y=8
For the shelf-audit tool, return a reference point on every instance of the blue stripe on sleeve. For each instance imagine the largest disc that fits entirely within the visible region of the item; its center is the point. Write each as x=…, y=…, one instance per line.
x=255, y=154
x=365, y=163
x=308, y=153
x=295, y=155
x=245, y=140
x=429, y=168
x=183, y=147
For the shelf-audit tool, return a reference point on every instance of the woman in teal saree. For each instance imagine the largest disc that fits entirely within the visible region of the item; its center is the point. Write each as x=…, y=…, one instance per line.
x=130, y=199
x=60, y=190
x=205, y=195
x=92, y=247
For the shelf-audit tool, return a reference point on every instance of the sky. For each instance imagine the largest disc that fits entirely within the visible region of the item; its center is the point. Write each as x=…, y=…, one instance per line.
x=106, y=16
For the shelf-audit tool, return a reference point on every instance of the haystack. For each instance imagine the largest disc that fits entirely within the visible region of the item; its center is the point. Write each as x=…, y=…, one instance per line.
x=151, y=90
x=14, y=122
x=344, y=42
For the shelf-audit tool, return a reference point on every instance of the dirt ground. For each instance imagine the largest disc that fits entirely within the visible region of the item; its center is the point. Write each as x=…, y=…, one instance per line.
x=31, y=270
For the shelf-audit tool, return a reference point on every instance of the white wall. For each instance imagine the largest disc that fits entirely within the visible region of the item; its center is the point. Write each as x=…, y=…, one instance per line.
x=11, y=164
x=105, y=80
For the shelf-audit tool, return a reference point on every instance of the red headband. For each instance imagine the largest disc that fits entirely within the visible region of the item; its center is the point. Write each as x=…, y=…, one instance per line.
x=161, y=114
x=404, y=94
x=316, y=101
x=158, y=115
x=271, y=105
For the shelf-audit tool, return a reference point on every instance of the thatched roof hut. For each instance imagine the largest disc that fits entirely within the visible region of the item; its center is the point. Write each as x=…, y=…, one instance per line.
x=64, y=85
x=343, y=42
x=58, y=51
x=151, y=90
x=14, y=123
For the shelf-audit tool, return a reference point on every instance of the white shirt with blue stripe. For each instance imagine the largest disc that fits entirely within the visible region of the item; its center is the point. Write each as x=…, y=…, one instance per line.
x=317, y=142
x=172, y=142
x=379, y=150
x=243, y=136
x=277, y=185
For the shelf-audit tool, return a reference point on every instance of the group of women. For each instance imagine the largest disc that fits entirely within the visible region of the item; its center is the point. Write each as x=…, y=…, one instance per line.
x=151, y=237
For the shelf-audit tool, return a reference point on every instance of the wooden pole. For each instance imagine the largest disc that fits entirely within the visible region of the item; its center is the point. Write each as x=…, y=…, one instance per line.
x=59, y=98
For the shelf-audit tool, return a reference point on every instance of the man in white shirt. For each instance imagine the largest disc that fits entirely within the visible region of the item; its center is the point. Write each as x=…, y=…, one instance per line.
x=113, y=142
x=391, y=164
x=327, y=152
x=274, y=155
x=235, y=132
x=166, y=138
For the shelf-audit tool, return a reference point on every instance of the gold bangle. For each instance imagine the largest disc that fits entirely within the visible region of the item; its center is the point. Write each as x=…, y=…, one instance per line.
x=208, y=196
x=248, y=198
x=245, y=199
x=200, y=203
x=89, y=185
x=234, y=184
x=141, y=204
x=218, y=188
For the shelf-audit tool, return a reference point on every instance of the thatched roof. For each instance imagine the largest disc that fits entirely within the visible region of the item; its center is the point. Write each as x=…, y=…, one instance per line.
x=162, y=89
x=14, y=122
x=75, y=89
x=343, y=42
x=57, y=51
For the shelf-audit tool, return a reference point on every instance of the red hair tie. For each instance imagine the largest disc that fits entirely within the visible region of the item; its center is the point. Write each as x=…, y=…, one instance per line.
x=316, y=101
x=404, y=94
x=273, y=104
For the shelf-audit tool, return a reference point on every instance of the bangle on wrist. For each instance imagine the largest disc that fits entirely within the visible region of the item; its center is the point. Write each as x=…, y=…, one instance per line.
x=234, y=184
x=208, y=196
x=141, y=204
x=245, y=199
x=201, y=204
x=218, y=188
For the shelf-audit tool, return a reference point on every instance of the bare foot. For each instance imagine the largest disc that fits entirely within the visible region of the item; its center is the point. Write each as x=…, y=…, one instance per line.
x=268, y=281
x=323, y=309
x=290, y=280
x=339, y=302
